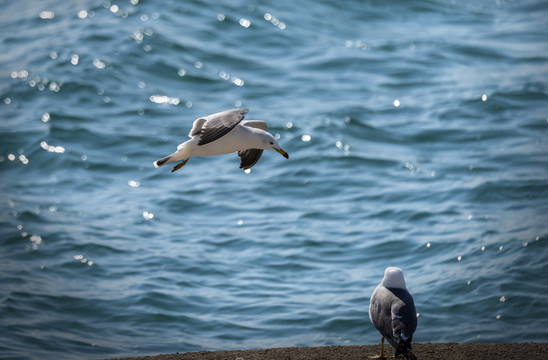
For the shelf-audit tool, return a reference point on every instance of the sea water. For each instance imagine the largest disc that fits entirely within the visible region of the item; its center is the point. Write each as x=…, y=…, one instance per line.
x=418, y=137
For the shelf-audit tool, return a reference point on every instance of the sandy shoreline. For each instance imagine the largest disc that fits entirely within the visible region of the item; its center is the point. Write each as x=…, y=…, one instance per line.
x=445, y=351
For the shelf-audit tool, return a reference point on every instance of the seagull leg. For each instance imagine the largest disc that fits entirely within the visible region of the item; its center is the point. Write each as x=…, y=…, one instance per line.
x=381, y=356
x=178, y=166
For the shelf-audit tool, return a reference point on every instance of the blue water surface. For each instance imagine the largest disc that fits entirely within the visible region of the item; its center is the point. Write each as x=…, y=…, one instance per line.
x=418, y=137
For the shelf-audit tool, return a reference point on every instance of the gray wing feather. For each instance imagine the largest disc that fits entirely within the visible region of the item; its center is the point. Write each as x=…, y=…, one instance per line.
x=393, y=314
x=217, y=125
x=404, y=322
x=197, y=127
x=379, y=311
x=258, y=124
x=249, y=157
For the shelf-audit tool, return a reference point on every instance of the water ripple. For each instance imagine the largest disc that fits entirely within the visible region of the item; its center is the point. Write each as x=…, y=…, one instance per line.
x=416, y=139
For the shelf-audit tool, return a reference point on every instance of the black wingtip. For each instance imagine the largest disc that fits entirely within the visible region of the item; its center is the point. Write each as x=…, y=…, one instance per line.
x=162, y=161
x=405, y=350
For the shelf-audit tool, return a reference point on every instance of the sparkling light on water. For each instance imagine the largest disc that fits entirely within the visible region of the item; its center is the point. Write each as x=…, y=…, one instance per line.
x=47, y=15
x=245, y=22
x=24, y=160
x=238, y=82
x=82, y=259
x=50, y=148
x=36, y=240
x=21, y=74
x=166, y=100
x=356, y=44
x=274, y=21
x=99, y=64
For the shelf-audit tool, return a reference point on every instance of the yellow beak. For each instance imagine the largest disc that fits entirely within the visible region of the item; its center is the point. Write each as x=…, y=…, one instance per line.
x=282, y=152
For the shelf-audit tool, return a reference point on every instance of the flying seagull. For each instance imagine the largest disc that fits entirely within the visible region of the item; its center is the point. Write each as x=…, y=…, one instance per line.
x=392, y=311
x=224, y=133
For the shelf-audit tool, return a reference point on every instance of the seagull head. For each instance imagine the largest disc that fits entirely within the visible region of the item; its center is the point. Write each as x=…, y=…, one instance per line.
x=393, y=278
x=270, y=143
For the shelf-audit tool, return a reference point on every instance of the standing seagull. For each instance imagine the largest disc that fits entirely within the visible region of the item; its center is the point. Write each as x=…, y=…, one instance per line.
x=224, y=133
x=392, y=311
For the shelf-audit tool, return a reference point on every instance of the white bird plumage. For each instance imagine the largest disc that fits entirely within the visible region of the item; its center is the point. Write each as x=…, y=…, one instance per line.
x=224, y=133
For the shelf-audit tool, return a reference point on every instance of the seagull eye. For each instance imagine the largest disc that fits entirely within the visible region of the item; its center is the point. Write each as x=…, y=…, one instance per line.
x=271, y=143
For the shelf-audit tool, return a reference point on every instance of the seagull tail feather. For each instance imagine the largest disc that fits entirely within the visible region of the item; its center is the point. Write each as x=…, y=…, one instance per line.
x=411, y=355
x=163, y=161
x=404, y=349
